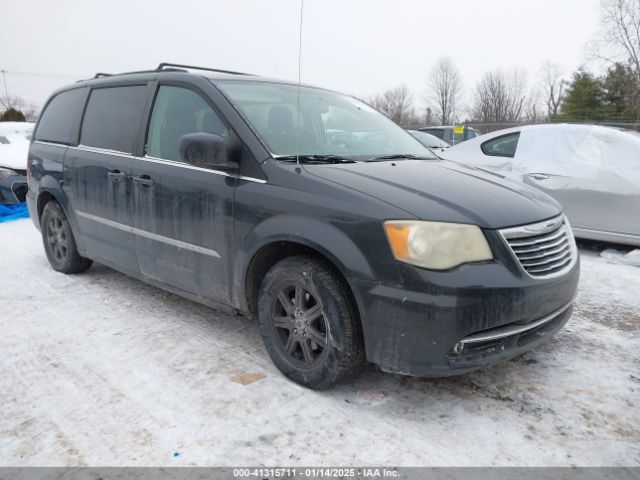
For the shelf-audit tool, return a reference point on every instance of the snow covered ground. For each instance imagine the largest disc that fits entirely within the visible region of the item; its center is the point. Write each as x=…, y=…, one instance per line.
x=101, y=369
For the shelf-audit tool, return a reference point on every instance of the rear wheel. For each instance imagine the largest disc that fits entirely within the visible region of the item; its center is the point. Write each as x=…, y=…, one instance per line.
x=309, y=325
x=59, y=244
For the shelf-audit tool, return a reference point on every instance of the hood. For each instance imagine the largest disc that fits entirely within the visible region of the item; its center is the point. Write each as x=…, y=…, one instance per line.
x=441, y=190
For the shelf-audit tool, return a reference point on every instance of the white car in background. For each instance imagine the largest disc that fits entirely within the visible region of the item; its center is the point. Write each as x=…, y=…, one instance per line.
x=15, y=138
x=593, y=171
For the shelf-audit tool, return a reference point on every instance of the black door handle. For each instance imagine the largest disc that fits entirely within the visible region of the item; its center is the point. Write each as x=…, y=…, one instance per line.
x=116, y=175
x=143, y=180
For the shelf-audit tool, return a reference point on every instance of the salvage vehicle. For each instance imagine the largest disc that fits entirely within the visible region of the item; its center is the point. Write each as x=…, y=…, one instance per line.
x=14, y=148
x=222, y=187
x=593, y=171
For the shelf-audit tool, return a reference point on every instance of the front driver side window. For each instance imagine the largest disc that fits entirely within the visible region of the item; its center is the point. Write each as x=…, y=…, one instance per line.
x=503, y=146
x=176, y=112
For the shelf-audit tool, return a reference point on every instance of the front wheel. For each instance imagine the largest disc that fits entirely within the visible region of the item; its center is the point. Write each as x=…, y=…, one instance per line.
x=308, y=323
x=59, y=244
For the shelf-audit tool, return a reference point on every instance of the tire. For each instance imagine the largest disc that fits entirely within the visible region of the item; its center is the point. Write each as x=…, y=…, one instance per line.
x=309, y=326
x=59, y=244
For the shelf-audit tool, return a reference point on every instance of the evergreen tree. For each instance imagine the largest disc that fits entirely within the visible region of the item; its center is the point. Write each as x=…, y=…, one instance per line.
x=584, y=100
x=12, y=115
x=621, y=94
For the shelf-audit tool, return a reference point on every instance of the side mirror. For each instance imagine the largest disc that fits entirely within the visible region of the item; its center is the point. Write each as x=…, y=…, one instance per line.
x=205, y=150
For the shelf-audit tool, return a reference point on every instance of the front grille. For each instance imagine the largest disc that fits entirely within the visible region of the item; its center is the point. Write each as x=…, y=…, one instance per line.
x=544, y=249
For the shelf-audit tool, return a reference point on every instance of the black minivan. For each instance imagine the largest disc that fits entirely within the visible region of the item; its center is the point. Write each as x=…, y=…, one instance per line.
x=303, y=208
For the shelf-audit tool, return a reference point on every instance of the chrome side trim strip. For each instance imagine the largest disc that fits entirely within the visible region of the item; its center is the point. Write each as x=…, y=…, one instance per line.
x=106, y=151
x=249, y=179
x=162, y=161
x=150, y=235
x=105, y=221
x=42, y=142
x=86, y=148
x=508, y=330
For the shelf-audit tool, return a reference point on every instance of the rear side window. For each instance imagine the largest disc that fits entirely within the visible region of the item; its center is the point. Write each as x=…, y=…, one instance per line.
x=57, y=122
x=112, y=117
x=503, y=146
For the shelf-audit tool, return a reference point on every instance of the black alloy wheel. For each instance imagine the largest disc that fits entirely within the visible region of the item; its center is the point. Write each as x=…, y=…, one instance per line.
x=56, y=237
x=300, y=325
x=309, y=322
x=59, y=242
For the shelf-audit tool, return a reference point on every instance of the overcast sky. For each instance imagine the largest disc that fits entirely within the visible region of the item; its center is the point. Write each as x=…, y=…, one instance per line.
x=356, y=46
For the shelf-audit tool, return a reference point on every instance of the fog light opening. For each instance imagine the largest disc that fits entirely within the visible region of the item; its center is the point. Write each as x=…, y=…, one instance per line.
x=458, y=347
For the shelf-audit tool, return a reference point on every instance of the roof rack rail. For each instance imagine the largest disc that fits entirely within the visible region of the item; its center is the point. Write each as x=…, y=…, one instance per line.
x=103, y=74
x=171, y=66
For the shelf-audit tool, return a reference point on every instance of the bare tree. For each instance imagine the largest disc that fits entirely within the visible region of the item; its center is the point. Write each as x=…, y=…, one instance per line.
x=620, y=20
x=30, y=110
x=534, y=107
x=553, y=85
x=500, y=96
x=11, y=101
x=396, y=103
x=443, y=89
x=428, y=116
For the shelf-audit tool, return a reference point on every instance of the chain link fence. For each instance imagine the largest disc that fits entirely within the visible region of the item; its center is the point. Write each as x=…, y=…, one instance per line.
x=492, y=127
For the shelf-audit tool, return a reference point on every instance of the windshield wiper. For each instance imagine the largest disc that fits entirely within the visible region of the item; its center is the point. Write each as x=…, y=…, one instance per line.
x=314, y=159
x=400, y=156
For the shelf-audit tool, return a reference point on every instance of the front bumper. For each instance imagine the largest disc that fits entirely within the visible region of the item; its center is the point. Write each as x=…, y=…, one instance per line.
x=446, y=323
x=13, y=189
x=507, y=341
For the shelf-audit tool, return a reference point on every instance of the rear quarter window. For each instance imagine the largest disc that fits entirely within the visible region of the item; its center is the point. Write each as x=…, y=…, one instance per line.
x=58, y=121
x=502, y=146
x=112, y=117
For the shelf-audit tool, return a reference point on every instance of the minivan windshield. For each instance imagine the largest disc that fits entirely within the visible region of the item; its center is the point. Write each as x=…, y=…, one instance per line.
x=328, y=123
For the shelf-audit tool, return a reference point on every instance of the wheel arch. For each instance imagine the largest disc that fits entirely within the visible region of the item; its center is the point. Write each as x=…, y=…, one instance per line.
x=43, y=198
x=282, y=237
x=49, y=189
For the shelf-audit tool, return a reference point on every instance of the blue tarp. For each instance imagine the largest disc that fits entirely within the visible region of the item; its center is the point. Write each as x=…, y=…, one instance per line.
x=13, y=212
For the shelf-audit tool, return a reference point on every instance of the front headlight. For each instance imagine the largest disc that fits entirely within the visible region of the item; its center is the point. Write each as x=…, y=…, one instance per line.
x=436, y=245
x=6, y=172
